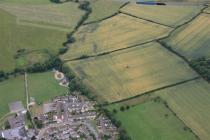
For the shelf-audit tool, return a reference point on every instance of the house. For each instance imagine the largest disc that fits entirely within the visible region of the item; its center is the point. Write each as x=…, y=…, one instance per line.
x=18, y=133
x=16, y=121
x=17, y=107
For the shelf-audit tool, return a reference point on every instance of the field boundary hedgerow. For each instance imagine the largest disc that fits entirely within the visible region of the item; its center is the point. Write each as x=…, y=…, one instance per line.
x=108, y=52
x=158, y=39
x=158, y=89
x=147, y=19
x=114, y=14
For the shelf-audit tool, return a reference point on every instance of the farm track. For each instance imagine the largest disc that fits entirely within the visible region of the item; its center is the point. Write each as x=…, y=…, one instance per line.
x=27, y=100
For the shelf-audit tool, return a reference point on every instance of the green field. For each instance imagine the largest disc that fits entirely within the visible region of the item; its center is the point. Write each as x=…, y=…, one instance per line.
x=131, y=72
x=62, y=17
x=10, y=91
x=191, y=101
x=113, y=34
x=28, y=59
x=192, y=40
x=171, y=15
x=103, y=8
x=15, y=37
x=148, y=121
x=43, y=86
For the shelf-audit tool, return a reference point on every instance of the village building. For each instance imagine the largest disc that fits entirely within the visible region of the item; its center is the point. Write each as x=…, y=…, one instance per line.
x=17, y=107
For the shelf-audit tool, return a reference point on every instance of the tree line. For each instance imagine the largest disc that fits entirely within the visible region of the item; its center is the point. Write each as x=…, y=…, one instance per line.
x=202, y=66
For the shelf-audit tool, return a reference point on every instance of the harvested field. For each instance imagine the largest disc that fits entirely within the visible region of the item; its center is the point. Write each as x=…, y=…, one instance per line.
x=10, y=91
x=192, y=40
x=43, y=86
x=152, y=121
x=53, y=16
x=103, y=8
x=131, y=72
x=190, y=101
x=170, y=15
x=113, y=34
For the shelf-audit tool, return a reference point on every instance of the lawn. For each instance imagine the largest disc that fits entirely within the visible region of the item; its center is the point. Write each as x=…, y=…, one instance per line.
x=191, y=101
x=115, y=33
x=131, y=72
x=43, y=86
x=192, y=40
x=152, y=121
x=10, y=91
x=163, y=14
x=103, y=8
x=15, y=37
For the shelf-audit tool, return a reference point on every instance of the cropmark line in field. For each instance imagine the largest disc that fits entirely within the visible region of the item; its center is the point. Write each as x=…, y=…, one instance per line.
x=146, y=19
x=154, y=90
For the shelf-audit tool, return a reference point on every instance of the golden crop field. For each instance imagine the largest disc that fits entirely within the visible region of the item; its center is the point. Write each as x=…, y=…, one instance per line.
x=131, y=72
x=170, y=15
x=190, y=101
x=56, y=16
x=193, y=40
x=113, y=34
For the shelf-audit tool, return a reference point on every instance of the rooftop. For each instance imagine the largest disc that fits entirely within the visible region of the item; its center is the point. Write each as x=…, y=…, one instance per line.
x=16, y=107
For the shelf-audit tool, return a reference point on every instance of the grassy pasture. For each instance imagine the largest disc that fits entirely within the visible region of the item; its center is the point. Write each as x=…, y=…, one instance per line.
x=191, y=101
x=113, y=34
x=43, y=86
x=53, y=16
x=131, y=72
x=148, y=122
x=103, y=8
x=163, y=14
x=30, y=58
x=192, y=40
x=15, y=37
x=11, y=90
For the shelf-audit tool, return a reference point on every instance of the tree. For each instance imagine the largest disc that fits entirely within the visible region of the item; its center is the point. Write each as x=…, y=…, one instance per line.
x=63, y=50
x=114, y=111
x=38, y=123
x=122, y=108
x=127, y=107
